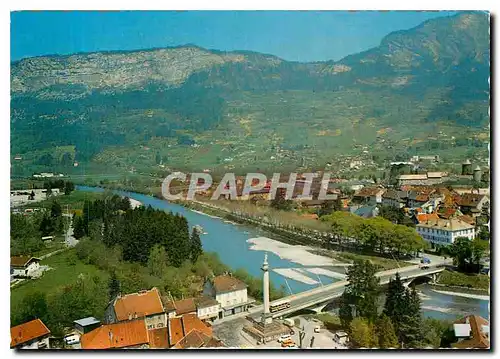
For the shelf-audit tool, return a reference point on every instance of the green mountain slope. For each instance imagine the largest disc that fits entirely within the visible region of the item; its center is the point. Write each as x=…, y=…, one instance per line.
x=198, y=108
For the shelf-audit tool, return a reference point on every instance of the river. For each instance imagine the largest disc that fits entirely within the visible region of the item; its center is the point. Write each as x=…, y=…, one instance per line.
x=229, y=241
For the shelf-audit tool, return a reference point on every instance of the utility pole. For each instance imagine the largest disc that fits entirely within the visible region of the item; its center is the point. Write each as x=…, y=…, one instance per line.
x=302, y=334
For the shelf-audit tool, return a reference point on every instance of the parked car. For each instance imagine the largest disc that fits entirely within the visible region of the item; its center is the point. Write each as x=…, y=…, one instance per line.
x=317, y=329
x=284, y=337
x=72, y=339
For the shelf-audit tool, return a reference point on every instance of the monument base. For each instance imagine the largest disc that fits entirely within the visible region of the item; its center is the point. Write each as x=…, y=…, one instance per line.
x=265, y=332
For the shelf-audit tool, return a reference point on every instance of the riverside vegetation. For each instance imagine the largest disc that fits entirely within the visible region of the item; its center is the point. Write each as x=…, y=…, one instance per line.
x=120, y=250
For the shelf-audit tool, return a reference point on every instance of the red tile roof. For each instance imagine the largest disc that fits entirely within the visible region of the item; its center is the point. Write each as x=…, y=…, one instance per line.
x=138, y=305
x=368, y=191
x=158, y=338
x=227, y=283
x=192, y=322
x=424, y=217
x=467, y=219
x=120, y=335
x=176, y=330
x=25, y=332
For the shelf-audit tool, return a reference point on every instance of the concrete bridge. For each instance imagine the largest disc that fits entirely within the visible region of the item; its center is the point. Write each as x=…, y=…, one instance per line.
x=316, y=299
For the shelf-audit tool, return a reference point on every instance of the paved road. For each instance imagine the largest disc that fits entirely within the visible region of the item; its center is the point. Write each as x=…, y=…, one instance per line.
x=69, y=239
x=322, y=294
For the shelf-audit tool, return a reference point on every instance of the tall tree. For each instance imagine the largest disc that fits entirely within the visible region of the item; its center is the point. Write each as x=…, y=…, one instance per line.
x=362, y=333
x=363, y=289
x=113, y=286
x=78, y=227
x=157, y=262
x=55, y=210
x=410, y=334
x=196, y=247
x=395, y=302
x=385, y=333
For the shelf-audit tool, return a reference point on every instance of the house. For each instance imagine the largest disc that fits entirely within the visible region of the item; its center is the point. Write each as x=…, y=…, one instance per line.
x=24, y=266
x=473, y=203
x=365, y=211
x=230, y=292
x=125, y=335
x=394, y=198
x=472, y=332
x=183, y=332
x=426, y=179
x=444, y=232
x=86, y=325
x=145, y=304
x=205, y=308
x=369, y=195
x=30, y=335
x=419, y=217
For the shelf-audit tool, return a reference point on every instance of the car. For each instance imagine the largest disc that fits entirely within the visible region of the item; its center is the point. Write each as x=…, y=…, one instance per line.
x=284, y=337
x=317, y=329
x=72, y=339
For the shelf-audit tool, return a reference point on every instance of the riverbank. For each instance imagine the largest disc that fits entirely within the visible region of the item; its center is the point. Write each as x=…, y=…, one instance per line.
x=462, y=294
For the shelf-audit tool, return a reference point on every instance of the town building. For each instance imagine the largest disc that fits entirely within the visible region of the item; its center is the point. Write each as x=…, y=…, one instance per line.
x=369, y=195
x=230, y=292
x=144, y=304
x=394, y=198
x=24, y=266
x=86, y=325
x=186, y=331
x=472, y=332
x=444, y=232
x=426, y=179
x=473, y=204
x=31, y=335
x=365, y=211
x=125, y=335
x=205, y=308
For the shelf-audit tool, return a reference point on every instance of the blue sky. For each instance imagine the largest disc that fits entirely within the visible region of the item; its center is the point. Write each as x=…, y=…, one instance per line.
x=297, y=35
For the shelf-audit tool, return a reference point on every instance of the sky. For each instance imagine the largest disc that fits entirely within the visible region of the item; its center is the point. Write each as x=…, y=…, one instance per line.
x=291, y=35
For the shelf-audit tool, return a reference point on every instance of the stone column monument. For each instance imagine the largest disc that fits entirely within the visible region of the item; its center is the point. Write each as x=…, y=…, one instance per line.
x=266, y=317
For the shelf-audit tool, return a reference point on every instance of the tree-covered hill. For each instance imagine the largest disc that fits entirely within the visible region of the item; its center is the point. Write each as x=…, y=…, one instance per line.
x=200, y=108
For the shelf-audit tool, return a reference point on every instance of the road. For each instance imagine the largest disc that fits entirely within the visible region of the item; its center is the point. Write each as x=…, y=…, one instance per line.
x=317, y=296
x=69, y=239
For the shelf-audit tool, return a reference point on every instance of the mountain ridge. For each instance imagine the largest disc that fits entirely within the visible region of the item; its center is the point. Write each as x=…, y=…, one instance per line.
x=435, y=73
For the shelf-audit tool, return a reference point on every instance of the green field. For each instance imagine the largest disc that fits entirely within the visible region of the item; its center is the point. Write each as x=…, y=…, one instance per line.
x=66, y=269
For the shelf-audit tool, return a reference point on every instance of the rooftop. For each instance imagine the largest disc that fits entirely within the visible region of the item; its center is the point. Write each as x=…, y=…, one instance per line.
x=479, y=329
x=138, y=305
x=22, y=261
x=114, y=336
x=227, y=283
x=86, y=321
x=453, y=224
x=25, y=332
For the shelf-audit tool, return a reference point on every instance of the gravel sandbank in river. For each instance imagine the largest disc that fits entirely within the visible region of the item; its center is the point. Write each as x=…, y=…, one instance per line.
x=295, y=253
x=294, y=274
x=465, y=295
x=326, y=273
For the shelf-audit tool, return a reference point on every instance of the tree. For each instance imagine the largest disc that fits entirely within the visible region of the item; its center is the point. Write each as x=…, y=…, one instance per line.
x=33, y=306
x=280, y=202
x=362, y=333
x=395, y=302
x=385, y=333
x=78, y=227
x=411, y=322
x=363, y=290
x=157, y=262
x=196, y=246
x=46, y=225
x=68, y=187
x=467, y=253
x=113, y=286
x=55, y=210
